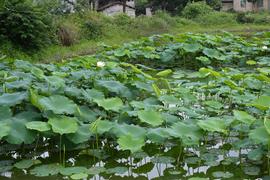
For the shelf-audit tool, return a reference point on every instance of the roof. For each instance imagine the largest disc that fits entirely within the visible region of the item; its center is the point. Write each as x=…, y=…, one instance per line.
x=113, y=4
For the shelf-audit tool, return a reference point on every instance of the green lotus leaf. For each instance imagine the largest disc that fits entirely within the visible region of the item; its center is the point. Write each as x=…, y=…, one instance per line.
x=213, y=125
x=46, y=170
x=191, y=48
x=158, y=135
x=255, y=154
x=96, y=170
x=113, y=104
x=198, y=178
x=37, y=72
x=27, y=163
x=55, y=81
x=223, y=175
x=212, y=53
x=153, y=118
x=243, y=117
x=63, y=124
x=18, y=133
x=129, y=142
x=125, y=129
x=253, y=83
x=267, y=124
x=82, y=135
x=5, y=113
x=262, y=103
x=79, y=176
x=116, y=87
x=92, y=94
x=101, y=126
x=68, y=171
x=58, y=104
x=252, y=170
x=189, y=133
x=213, y=104
x=164, y=73
x=11, y=99
x=38, y=126
x=4, y=129
x=260, y=135
x=85, y=114
x=163, y=159
x=117, y=170
x=146, y=168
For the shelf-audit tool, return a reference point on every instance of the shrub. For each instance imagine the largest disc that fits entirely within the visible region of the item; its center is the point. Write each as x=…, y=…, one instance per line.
x=243, y=17
x=215, y=4
x=261, y=18
x=25, y=25
x=68, y=34
x=194, y=10
x=216, y=18
x=122, y=20
x=92, y=29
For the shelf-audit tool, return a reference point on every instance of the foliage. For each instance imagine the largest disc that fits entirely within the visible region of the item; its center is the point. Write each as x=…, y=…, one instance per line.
x=173, y=7
x=215, y=4
x=216, y=18
x=196, y=9
x=243, y=17
x=189, y=50
x=25, y=25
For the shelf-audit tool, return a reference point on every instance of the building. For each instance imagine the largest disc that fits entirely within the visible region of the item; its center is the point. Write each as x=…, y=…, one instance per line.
x=244, y=5
x=111, y=8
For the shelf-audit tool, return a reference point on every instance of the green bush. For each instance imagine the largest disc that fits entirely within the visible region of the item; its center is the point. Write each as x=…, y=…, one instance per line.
x=215, y=4
x=122, y=19
x=216, y=18
x=243, y=17
x=261, y=18
x=257, y=18
x=25, y=25
x=92, y=29
x=194, y=10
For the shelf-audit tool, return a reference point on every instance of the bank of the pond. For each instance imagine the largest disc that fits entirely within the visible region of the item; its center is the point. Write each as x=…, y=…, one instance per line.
x=123, y=34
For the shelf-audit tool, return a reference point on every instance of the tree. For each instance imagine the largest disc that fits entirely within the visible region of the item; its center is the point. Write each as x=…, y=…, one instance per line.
x=173, y=7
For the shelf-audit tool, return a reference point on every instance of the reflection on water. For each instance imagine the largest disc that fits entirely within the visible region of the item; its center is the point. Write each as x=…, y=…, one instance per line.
x=156, y=162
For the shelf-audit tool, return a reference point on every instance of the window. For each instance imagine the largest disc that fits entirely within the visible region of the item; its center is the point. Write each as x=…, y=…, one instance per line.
x=243, y=3
x=260, y=3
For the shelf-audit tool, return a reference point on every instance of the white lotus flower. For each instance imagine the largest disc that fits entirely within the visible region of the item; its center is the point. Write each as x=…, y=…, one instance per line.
x=100, y=64
x=264, y=47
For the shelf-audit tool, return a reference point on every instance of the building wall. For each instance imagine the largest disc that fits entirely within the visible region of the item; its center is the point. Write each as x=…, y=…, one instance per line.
x=237, y=6
x=247, y=6
x=116, y=9
x=227, y=6
x=131, y=3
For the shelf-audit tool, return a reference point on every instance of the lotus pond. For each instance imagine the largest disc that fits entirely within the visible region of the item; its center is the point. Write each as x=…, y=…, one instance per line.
x=189, y=106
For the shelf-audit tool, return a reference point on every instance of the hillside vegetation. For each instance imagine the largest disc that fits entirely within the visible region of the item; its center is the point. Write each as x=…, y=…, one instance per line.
x=52, y=37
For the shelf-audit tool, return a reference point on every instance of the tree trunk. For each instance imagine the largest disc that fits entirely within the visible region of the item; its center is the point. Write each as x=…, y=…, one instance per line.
x=124, y=6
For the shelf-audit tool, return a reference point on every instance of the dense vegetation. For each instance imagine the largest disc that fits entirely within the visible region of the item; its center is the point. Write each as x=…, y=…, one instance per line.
x=190, y=102
x=50, y=34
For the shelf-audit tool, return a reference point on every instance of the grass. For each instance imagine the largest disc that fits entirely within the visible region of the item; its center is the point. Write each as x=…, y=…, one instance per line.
x=58, y=53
